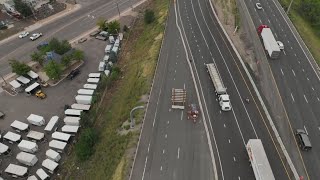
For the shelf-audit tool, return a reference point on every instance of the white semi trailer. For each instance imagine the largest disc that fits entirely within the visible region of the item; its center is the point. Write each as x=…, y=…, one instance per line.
x=220, y=89
x=269, y=42
x=259, y=160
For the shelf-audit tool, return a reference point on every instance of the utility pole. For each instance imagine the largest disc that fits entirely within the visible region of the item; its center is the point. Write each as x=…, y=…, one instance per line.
x=289, y=6
x=118, y=9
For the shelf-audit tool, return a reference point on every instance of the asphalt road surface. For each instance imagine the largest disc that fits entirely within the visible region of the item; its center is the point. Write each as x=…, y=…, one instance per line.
x=297, y=82
x=232, y=130
x=68, y=27
x=171, y=146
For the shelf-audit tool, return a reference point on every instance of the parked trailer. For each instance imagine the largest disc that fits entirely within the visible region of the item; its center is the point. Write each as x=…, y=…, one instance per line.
x=33, y=75
x=50, y=165
x=57, y=145
x=84, y=107
x=12, y=137
x=85, y=92
x=90, y=86
x=270, y=44
x=52, y=124
x=94, y=80
x=53, y=155
x=33, y=177
x=23, y=80
x=61, y=136
x=27, y=158
x=259, y=160
x=35, y=136
x=15, y=84
x=94, y=75
x=72, y=121
x=70, y=129
x=28, y=146
x=220, y=89
x=4, y=149
x=16, y=170
x=36, y=120
x=72, y=112
x=20, y=126
x=83, y=99
x=42, y=174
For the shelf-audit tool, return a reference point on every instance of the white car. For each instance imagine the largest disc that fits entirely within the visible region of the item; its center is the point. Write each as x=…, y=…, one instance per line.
x=23, y=34
x=258, y=5
x=280, y=44
x=35, y=36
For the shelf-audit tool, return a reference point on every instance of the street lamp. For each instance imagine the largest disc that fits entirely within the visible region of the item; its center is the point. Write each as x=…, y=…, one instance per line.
x=118, y=9
x=131, y=115
x=289, y=7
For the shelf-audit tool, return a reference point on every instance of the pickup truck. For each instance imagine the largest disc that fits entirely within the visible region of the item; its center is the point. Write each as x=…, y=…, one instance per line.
x=35, y=36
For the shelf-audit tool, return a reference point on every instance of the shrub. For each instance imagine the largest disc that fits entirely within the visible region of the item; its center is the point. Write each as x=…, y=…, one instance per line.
x=19, y=68
x=85, y=146
x=53, y=70
x=149, y=16
x=37, y=57
x=113, y=27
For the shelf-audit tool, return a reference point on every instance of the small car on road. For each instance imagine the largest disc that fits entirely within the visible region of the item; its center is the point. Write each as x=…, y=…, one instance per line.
x=303, y=140
x=23, y=34
x=280, y=44
x=259, y=6
x=35, y=36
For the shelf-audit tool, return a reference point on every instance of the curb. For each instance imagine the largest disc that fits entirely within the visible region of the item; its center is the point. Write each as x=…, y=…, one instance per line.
x=289, y=161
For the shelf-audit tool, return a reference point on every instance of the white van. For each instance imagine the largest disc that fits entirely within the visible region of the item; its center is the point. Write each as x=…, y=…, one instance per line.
x=93, y=80
x=85, y=92
x=94, y=75
x=84, y=107
x=82, y=99
x=33, y=75
x=117, y=42
x=106, y=58
x=33, y=177
x=12, y=137
x=16, y=171
x=115, y=49
x=102, y=66
x=36, y=120
x=108, y=49
x=52, y=124
x=23, y=80
x=20, y=126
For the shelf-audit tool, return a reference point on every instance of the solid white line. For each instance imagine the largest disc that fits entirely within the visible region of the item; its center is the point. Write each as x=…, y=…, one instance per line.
x=305, y=98
x=292, y=97
x=144, y=169
x=281, y=72
x=306, y=130
x=148, y=147
x=239, y=178
x=299, y=62
x=178, y=156
x=184, y=86
x=293, y=72
x=181, y=115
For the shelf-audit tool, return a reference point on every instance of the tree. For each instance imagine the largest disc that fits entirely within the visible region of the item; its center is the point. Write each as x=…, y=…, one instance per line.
x=113, y=27
x=149, y=16
x=78, y=55
x=54, y=44
x=85, y=146
x=66, y=60
x=23, y=8
x=19, y=67
x=310, y=9
x=37, y=57
x=102, y=24
x=53, y=70
x=59, y=47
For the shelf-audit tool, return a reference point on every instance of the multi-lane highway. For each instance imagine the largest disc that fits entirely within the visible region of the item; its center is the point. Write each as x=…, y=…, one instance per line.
x=67, y=27
x=298, y=84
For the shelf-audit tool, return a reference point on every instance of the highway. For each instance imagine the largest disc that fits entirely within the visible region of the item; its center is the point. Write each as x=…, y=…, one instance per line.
x=67, y=27
x=298, y=84
x=171, y=146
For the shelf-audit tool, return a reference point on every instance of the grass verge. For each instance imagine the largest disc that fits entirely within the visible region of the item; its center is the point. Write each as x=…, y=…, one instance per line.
x=138, y=65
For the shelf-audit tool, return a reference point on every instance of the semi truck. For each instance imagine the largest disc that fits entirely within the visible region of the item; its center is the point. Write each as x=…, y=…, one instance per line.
x=220, y=89
x=259, y=160
x=270, y=44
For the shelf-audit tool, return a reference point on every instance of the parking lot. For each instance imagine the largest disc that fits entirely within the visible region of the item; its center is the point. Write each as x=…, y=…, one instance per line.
x=21, y=106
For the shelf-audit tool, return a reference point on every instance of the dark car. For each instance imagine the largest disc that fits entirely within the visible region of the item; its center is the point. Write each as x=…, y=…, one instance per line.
x=303, y=140
x=103, y=38
x=73, y=74
x=94, y=33
x=82, y=40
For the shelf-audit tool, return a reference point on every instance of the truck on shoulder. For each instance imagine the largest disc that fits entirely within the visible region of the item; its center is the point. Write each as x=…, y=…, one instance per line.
x=259, y=160
x=270, y=44
x=220, y=89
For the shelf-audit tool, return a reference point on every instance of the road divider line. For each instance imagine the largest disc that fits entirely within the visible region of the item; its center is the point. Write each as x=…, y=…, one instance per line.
x=294, y=74
x=306, y=130
x=178, y=153
x=292, y=97
x=305, y=98
x=144, y=169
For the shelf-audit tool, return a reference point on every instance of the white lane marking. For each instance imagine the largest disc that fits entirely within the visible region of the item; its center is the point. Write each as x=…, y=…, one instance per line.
x=312, y=88
x=168, y=122
x=202, y=57
x=144, y=169
x=229, y=141
x=170, y=110
x=318, y=98
x=184, y=85
x=174, y=79
x=291, y=47
x=234, y=159
x=293, y=72
x=161, y=168
x=292, y=97
x=269, y=21
x=239, y=178
x=305, y=98
x=308, y=79
x=175, y=71
x=281, y=72
x=299, y=62
x=224, y=125
x=319, y=128
x=302, y=70
x=155, y=114
x=163, y=151
x=260, y=21
x=178, y=156
x=148, y=147
x=306, y=130
x=181, y=115
x=165, y=136
x=295, y=54
x=284, y=52
x=197, y=45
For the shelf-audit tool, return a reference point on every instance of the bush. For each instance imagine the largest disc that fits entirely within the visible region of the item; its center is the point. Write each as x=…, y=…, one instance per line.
x=78, y=55
x=101, y=23
x=19, y=68
x=86, y=119
x=53, y=70
x=37, y=57
x=66, y=60
x=85, y=146
x=113, y=27
x=149, y=16
x=127, y=127
x=22, y=7
x=59, y=47
x=125, y=28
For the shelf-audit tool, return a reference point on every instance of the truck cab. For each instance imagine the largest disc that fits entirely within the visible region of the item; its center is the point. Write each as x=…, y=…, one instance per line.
x=224, y=102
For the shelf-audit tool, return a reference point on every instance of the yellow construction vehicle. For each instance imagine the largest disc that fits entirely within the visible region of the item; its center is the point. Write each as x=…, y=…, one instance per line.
x=35, y=89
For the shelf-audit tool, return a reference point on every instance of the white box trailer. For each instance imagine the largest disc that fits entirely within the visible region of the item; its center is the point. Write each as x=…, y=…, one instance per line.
x=20, y=126
x=83, y=99
x=33, y=75
x=16, y=170
x=36, y=120
x=15, y=84
x=102, y=66
x=117, y=42
x=73, y=112
x=85, y=92
x=115, y=49
x=108, y=49
x=94, y=80
x=28, y=146
x=35, y=136
x=90, y=86
x=94, y=75
x=84, y=107
x=72, y=121
x=50, y=165
x=42, y=174
x=27, y=158
x=259, y=160
x=57, y=145
x=33, y=177
x=52, y=124
x=23, y=80
x=107, y=72
x=53, y=155
x=70, y=129
x=12, y=137
x=270, y=44
x=61, y=136
x=4, y=149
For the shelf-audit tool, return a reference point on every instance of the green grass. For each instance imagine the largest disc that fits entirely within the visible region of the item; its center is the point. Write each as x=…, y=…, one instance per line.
x=144, y=46
x=309, y=34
